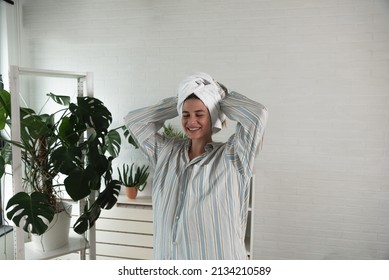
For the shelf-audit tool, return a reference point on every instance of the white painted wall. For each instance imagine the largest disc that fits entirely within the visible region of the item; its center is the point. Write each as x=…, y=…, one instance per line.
x=320, y=66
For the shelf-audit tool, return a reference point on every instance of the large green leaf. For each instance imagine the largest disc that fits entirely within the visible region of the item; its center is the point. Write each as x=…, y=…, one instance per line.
x=2, y=166
x=60, y=99
x=5, y=107
x=34, y=210
x=80, y=182
x=34, y=126
x=6, y=152
x=92, y=111
x=65, y=160
x=130, y=139
x=87, y=219
x=113, y=142
x=100, y=165
x=92, y=177
x=77, y=184
x=69, y=131
x=106, y=200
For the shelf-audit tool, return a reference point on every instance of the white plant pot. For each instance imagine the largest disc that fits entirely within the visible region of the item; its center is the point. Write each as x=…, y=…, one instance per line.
x=57, y=234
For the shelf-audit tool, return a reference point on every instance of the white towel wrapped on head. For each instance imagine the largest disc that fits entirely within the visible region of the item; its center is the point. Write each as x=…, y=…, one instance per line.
x=210, y=93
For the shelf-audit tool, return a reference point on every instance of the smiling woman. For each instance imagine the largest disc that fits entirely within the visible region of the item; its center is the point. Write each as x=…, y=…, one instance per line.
x=200, y=187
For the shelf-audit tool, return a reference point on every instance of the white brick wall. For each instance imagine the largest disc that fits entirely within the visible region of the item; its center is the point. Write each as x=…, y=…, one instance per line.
x=321, y=67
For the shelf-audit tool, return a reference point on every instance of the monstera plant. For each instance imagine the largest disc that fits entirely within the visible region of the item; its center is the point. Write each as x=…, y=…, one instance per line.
x=69, y=150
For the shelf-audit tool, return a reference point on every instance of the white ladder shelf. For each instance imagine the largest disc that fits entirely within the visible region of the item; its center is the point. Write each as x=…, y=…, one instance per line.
x=76, y=243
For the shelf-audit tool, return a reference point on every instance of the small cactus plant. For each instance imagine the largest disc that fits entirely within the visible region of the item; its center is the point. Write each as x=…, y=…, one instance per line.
x=134, y=177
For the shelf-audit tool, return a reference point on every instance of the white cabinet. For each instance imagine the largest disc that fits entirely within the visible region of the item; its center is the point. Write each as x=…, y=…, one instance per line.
x=126, y=231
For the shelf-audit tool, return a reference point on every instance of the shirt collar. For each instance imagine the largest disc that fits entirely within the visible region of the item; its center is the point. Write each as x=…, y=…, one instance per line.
x=208, y=147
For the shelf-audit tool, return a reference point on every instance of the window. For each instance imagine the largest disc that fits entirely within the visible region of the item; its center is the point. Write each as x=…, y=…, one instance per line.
x=1, y=69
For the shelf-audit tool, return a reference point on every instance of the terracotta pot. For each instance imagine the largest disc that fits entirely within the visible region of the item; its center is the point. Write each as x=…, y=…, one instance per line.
x=131, y=192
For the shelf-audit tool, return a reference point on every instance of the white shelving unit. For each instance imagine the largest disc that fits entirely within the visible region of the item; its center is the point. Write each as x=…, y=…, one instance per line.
x=76, y=243
x=249, y=240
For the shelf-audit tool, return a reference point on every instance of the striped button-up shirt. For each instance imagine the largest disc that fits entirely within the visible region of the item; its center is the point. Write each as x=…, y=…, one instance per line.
x=200, y=206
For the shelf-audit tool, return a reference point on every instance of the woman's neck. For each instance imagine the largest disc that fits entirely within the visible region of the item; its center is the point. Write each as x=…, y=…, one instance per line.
x=197, y=147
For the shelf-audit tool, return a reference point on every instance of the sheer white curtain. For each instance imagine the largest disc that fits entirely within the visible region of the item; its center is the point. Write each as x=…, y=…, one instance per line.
x=9, y=37
x=2, y=72
x=2, y=37
x=9, y=54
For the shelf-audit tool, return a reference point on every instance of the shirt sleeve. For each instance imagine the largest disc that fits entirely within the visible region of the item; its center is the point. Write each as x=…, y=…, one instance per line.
x=251, y=118
x=144, y=124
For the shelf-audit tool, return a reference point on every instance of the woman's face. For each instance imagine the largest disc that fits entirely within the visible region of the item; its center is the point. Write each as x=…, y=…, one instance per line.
x=196, y=120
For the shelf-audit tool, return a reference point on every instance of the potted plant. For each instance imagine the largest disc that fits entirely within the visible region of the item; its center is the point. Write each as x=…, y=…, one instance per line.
x=71, y=151
x=134, y=180
x=170, y=131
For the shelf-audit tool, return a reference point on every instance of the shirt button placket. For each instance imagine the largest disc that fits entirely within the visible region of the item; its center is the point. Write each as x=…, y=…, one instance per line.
x=175, y=224
x=178, y=212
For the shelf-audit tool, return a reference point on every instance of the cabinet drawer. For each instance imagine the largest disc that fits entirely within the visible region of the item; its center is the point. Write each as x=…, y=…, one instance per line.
x=124, y=226
x=120, y=238
x=127, y=252
x=135, y=213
